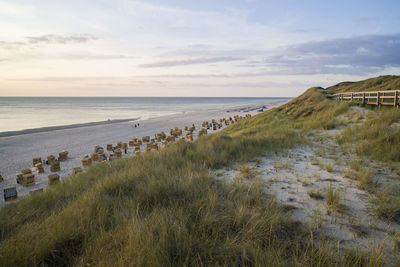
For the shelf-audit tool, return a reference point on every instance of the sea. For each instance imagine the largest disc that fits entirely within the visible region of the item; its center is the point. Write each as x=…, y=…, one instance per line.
x=21, y=113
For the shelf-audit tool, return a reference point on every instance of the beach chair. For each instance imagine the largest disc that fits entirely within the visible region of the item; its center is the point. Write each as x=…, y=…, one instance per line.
x=28, y=179
x=103, y=157
x=95, y=157
x=118, y=153
x=51, y=159
x=55, y=166
x=36, y=161
x=86, y=161
x=10, y=193
x=63, y=155
x=109, y=147
x=39, y=168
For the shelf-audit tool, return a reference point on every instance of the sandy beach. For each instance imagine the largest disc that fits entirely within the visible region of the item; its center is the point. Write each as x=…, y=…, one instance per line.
x=18, y=150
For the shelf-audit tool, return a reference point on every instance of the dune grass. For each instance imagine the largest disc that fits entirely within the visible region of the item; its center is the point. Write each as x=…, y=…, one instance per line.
x=378, y=137
x=164, y=208
x=161, y=208
x=247, y=172
x=333, y=202
x=386, y=203
x=381, y=83
x=328, y=167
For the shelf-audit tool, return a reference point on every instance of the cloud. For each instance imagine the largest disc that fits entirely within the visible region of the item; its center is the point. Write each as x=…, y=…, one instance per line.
x=173, y=63
x=362, y=55
x=49, y=39
x=86, y=55
x=185, y=76
x=61, y=39
x=11, y=45
x=358, y=55
x=66, y=79
x=205, y=50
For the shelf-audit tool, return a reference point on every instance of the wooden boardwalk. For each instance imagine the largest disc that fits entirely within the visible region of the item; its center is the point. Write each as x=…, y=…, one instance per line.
x=377, y=98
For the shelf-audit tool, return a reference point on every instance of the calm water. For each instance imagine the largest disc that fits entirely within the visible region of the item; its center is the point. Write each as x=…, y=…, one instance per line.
x=19, y=113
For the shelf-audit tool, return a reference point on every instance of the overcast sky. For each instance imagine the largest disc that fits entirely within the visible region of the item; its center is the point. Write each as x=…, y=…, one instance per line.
x=193, y=48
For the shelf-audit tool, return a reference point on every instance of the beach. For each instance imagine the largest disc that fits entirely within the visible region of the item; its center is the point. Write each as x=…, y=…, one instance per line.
x=19, y=148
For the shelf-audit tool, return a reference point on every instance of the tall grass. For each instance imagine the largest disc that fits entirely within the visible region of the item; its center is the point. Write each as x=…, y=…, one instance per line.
x=164, y=208
x=381, y=83
x=333, y=200
x=157, y=209
x=378, y=137
x=386, y=204
x=161, y=208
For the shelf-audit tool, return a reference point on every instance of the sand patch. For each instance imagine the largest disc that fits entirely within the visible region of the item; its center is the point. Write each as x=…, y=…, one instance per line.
x=301, y=181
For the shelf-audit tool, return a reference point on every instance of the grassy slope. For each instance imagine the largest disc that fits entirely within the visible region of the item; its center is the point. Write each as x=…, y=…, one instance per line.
x=165, y=208
x=378, y=139
x=380, y=83
x=380, y=135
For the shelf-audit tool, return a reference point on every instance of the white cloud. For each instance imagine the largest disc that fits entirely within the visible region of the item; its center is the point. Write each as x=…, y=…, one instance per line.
x=185, y=62
x=61, y=39
x=91, y=44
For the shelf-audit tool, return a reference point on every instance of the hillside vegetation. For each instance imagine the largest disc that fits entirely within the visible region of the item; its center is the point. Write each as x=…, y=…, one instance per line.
x=381, y=83
x=166, y=208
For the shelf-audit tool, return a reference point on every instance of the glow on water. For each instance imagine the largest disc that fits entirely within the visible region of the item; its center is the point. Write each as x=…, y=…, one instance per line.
x=35, y=112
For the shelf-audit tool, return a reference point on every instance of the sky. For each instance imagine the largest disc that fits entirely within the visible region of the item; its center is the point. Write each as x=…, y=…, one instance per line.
x=220, y=48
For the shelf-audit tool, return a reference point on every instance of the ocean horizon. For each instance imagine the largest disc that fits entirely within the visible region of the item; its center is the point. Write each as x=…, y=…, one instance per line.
x=22, y=113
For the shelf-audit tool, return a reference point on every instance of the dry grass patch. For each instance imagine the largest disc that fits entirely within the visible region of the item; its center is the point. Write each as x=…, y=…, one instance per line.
x=333, y=200
x=315, y=194
x=386, y=203
x=248, y=172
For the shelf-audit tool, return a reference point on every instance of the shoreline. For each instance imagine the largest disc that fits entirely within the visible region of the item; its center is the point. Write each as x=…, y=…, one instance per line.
x=17, y=151
x=242, y=108
x=62, y=127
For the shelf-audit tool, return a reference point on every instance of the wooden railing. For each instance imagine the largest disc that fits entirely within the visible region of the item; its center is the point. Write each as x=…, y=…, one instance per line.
x=388, y=98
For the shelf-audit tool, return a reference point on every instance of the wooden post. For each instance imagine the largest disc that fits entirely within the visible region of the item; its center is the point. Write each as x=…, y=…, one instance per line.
x=377, y=99
x=363, y=99
x=351, y=97
x=396, y=95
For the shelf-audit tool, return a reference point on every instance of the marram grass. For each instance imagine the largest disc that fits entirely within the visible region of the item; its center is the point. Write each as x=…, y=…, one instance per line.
x=165, y=209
